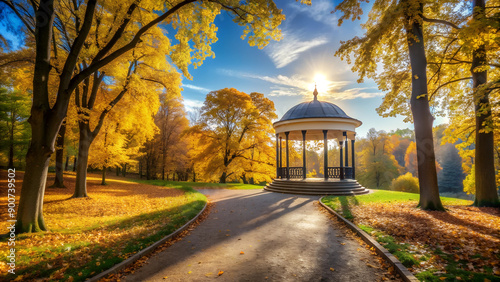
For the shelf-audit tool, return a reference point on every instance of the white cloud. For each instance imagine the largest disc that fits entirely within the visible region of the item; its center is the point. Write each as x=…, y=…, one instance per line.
x=290, y=47
x=192, y=105
x=197, y=88
x=320, y=11
x=298, y=85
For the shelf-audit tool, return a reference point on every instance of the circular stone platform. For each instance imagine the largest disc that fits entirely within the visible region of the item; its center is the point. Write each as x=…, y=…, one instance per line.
x=317, y=186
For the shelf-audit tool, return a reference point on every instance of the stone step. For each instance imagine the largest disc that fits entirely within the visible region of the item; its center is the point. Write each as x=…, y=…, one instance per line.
x=307, y=192
x=357, y=190
x=317, y=187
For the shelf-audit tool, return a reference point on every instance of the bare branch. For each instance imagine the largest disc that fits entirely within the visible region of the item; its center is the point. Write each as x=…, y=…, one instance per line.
x=23, y=20
x=440, y=21
x=449, y=82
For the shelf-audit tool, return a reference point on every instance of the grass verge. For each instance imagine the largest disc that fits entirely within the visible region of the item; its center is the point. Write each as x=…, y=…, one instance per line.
x=90, y=235
x=460, y=244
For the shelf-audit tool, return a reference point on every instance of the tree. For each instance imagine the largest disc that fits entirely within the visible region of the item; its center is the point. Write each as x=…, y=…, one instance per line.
x=486, y=188
x=172, y=121
x=411, y=163
x=400, y=141
x=14, y=112
x=128, y=26
x=58, y=179
x=167, y=152
x=463, y=56
x=391, y=25
x=377, y=166
x=232, y=125
x=451, y=176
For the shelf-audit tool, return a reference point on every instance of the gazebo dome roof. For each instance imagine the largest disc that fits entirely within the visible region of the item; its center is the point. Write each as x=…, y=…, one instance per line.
x=314, y=109
x=316, y=118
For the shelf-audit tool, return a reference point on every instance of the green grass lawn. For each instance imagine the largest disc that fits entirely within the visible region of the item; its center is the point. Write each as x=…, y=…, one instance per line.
x=338, y=202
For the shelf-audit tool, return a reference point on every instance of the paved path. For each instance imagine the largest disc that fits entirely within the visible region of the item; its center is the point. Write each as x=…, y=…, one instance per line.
x=283, y=237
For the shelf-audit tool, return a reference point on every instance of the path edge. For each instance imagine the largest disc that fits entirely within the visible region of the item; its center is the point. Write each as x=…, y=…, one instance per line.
x=390, y=258
x=116, y=268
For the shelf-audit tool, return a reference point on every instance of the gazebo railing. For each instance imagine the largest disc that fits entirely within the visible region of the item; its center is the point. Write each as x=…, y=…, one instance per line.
x=334, y=172
x=295, y=172
x=298, y=172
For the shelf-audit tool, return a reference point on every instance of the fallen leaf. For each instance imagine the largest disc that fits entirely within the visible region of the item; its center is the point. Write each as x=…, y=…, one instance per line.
x=220, y=273
x=242, y=253
x=332, y=269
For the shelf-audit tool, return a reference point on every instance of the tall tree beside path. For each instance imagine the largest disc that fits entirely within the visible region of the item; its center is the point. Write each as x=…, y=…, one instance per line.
x=128, y=26
x=395, y=38
x=232, y=125
x=486, y=188
x=464, y=77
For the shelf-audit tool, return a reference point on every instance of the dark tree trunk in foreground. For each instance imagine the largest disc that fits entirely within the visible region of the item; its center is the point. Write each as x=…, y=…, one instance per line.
x=83, y=159
x=59, y=181
x=103, y=182
x=486, y=188
x=44, y=120
x=44, y=128
x=422, y=117
x=223, y=177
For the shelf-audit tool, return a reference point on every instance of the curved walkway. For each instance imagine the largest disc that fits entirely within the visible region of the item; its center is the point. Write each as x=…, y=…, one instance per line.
x=253, y=235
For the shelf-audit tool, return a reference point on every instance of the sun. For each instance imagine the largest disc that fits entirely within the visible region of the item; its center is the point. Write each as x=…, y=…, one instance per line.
x=321, y=82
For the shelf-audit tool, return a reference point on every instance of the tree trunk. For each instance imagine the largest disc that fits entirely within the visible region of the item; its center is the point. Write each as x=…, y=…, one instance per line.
x=422, y=117
x=30, y=211
x=74, y=164
x=223, y=177
x=486, y=188
x=103, y=182
x=117, y=171
x=44, y=127
x=11, y=142
x=67, y=163
x=83, y=158
x=124, y=170
x=59, y=181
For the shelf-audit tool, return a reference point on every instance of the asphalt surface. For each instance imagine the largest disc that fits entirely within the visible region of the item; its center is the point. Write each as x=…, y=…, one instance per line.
x=253, y=235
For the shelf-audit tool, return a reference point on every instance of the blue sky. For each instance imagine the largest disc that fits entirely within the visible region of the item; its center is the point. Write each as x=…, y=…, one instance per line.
x=285, y=71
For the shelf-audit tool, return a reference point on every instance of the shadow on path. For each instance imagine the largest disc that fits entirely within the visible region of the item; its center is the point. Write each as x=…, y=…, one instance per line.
x=254, y=235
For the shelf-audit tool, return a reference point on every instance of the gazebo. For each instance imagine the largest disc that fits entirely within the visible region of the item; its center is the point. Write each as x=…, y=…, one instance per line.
x=316, y=120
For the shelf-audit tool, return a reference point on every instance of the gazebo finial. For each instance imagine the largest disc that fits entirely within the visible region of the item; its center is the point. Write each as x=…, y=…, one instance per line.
x=315, y=93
